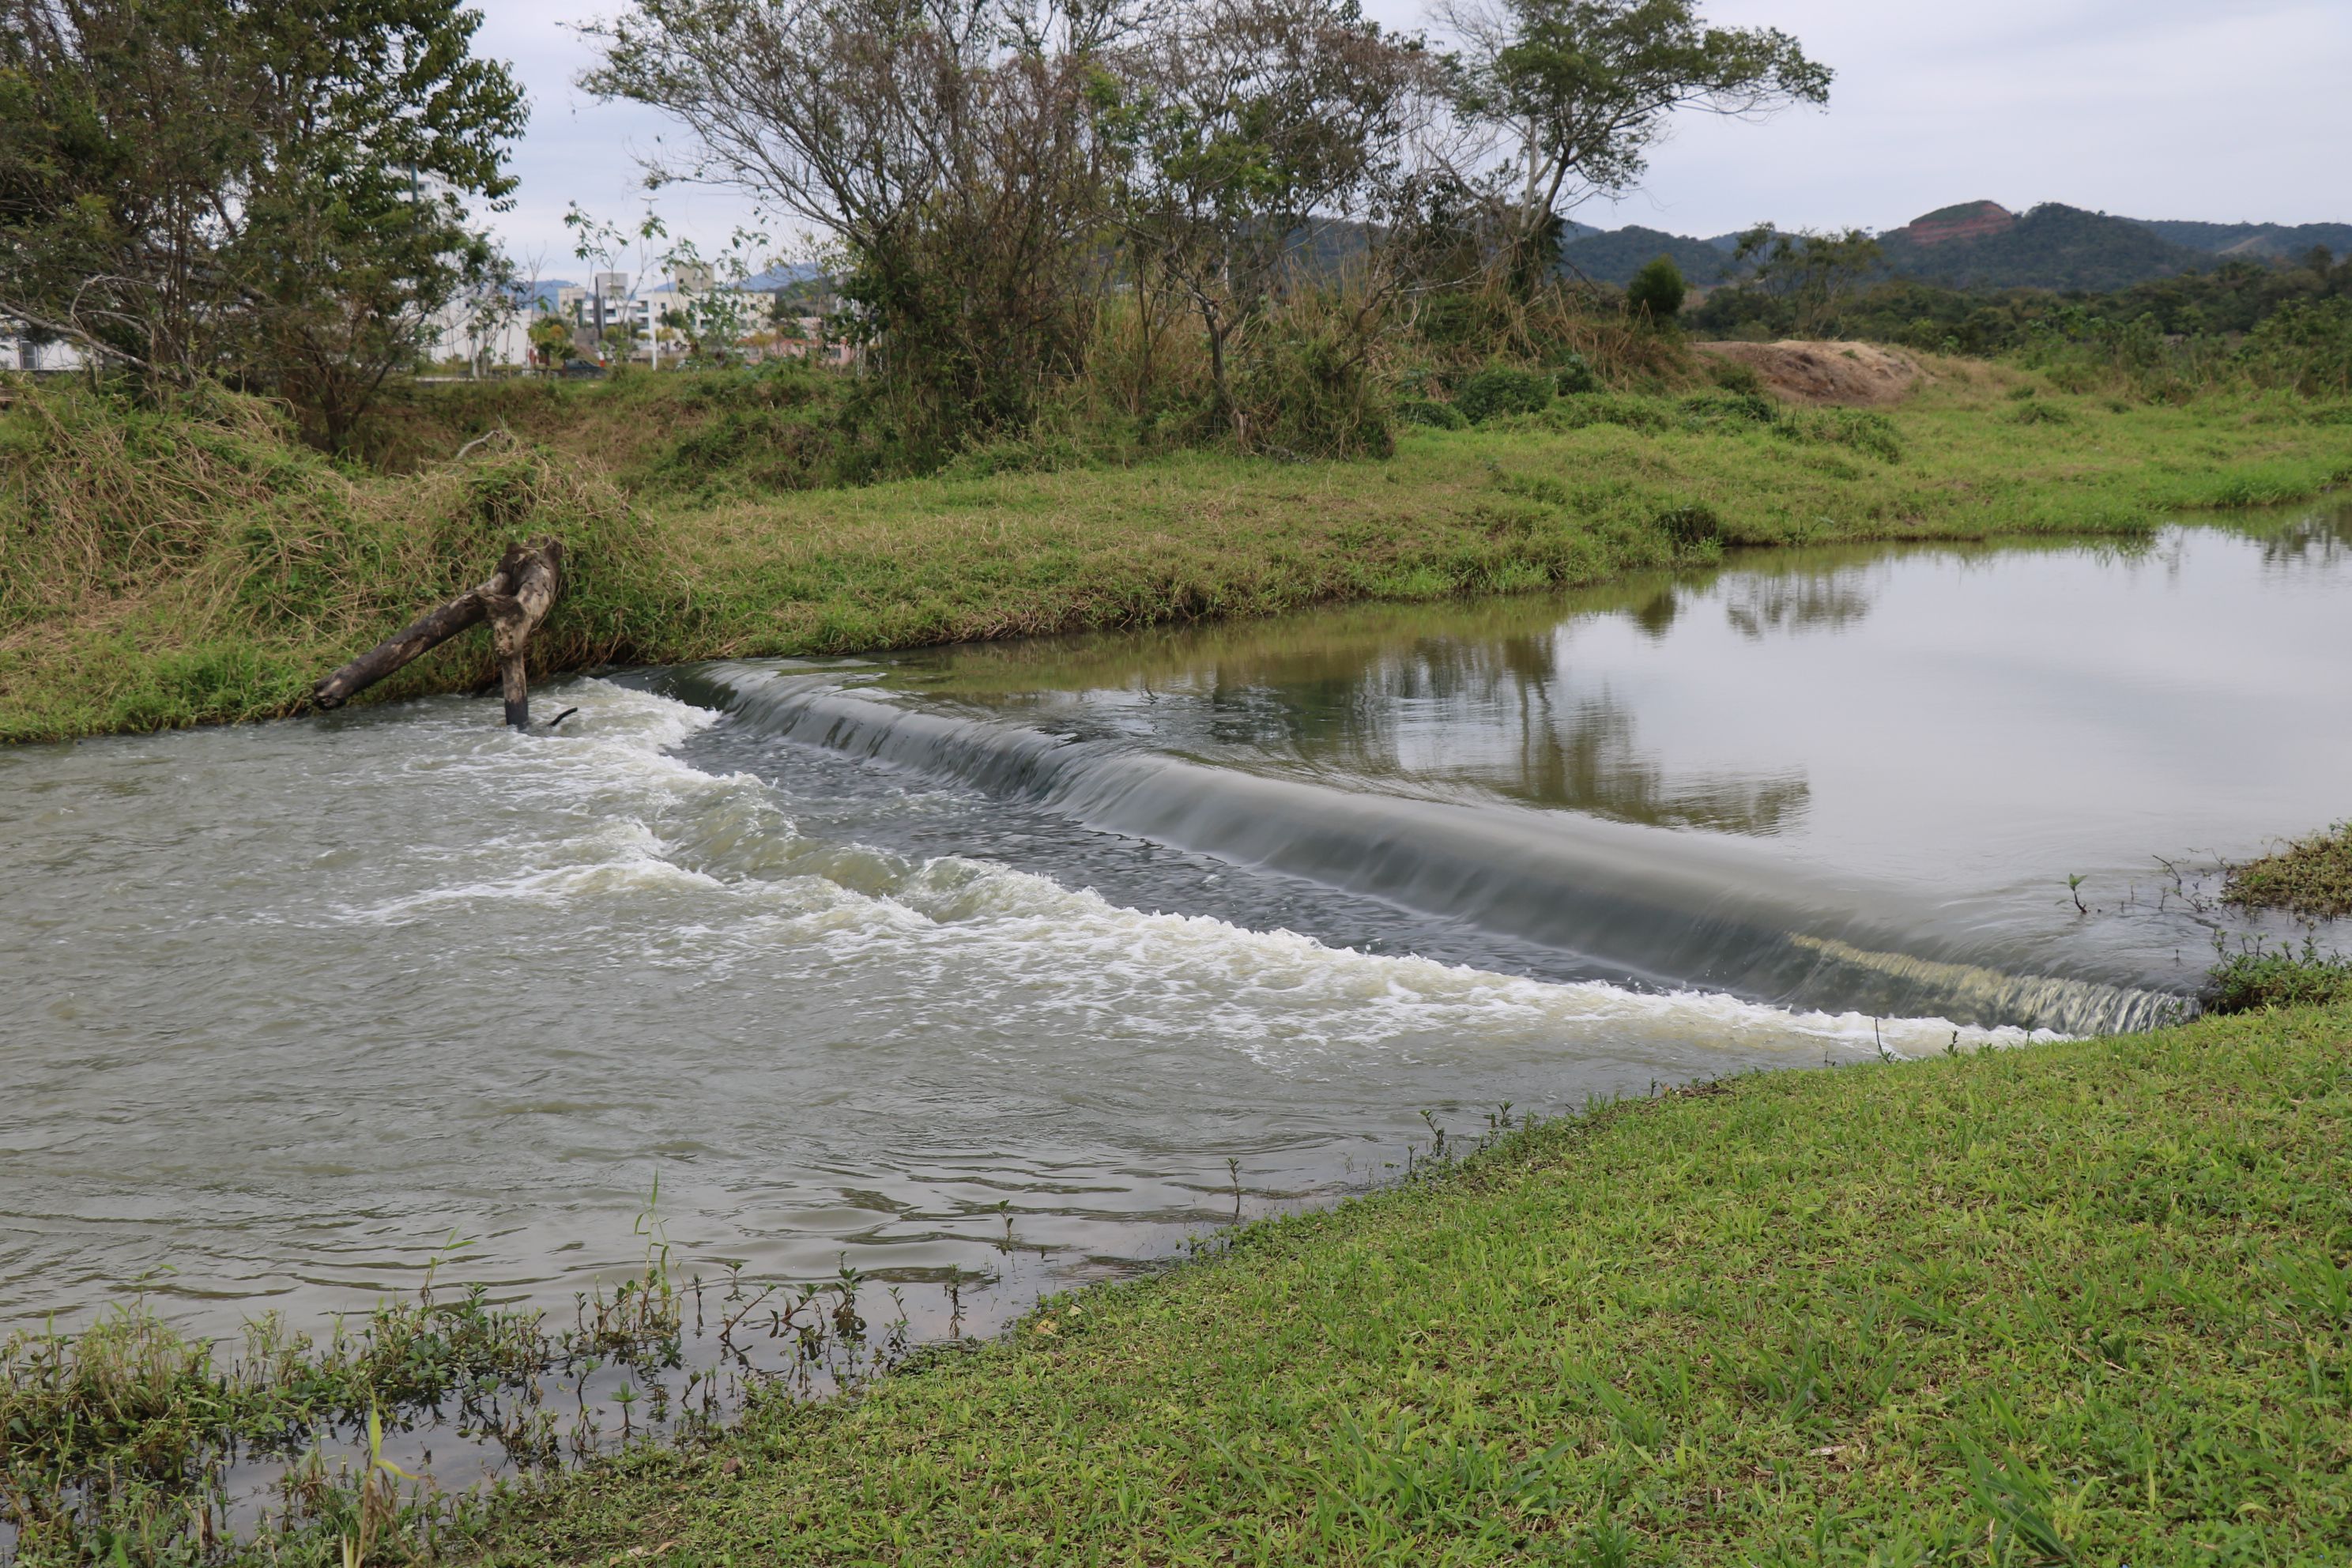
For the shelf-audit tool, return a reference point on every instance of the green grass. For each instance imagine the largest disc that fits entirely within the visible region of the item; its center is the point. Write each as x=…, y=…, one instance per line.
x=160, y=574
x=2258, y=976
x=2086, y=1302
x=2311, y=878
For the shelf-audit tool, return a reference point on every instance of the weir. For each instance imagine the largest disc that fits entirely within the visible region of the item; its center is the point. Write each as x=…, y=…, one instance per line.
x=1626, y=904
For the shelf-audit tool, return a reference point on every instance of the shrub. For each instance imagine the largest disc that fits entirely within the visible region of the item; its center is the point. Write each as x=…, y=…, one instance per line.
x=1459, y=318
x=1691, y=526
x=1856, y=427
x=1656, y=291
x=1710, y=408
x=1307, y=393
x=1736, y=376
x=1602, y=408
x=1430, y=412
x=2311, y=878
x=2306, y=347
x=1499, y=389
x=1575, y=375
x=2249, y=981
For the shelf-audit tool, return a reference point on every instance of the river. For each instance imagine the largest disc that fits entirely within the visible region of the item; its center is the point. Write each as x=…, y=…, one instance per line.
x=1031, y=960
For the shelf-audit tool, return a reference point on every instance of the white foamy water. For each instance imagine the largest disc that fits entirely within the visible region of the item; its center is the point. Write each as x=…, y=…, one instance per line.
x=304, y=999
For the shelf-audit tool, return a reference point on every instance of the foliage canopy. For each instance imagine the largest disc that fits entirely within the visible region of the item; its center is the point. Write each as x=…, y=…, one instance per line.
x=270, y=190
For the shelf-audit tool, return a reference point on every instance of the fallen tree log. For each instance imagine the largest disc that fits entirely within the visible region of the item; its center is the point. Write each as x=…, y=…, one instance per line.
x=535, y=578
x=514, y=600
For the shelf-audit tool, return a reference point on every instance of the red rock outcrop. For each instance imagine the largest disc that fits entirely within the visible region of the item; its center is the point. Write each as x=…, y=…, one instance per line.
x=1970, y=220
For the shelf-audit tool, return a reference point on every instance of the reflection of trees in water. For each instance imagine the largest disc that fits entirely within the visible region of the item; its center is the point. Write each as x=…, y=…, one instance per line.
x=2324, y=540
x=1497, y=714
x=1830, y=599
x=1585, y=757
x=1656, y=615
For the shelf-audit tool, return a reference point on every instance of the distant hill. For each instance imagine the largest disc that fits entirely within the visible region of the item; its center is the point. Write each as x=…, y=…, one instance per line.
x=2257, y=239
x=1615, y=255
x=1967, y=221
x=782, y=277
x=1983, y=245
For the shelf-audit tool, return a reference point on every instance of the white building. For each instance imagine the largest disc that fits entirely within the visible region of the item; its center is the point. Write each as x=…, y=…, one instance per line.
x=485, y=337
x=22, y=349
x=612, y=321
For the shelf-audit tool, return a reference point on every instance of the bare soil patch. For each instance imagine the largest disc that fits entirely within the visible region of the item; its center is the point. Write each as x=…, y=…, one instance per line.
x=1819, y=374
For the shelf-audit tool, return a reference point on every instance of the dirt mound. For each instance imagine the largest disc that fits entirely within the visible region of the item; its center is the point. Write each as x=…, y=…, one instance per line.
x=1855, y=376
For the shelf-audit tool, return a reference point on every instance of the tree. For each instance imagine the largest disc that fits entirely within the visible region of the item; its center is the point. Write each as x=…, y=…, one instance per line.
x=603, y=247
x=550, y=336
x=943, y=144
x=1241, y=128
x=273, y=190
x=1810, y=274
x=1579, y=90
x=1656, y=293
x=716, y=315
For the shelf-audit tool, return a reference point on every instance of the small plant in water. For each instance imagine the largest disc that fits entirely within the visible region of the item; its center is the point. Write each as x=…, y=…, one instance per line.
x=1436, y=1134
x=132, y=1432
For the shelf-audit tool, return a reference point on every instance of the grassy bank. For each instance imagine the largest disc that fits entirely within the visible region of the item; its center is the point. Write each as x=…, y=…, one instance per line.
x=166, y=570
x=2086, y=1302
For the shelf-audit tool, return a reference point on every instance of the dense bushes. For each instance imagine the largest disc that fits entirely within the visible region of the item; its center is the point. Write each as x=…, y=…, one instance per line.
x=1502, y=389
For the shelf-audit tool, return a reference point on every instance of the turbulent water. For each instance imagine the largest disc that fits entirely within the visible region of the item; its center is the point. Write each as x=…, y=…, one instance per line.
x=885, y=961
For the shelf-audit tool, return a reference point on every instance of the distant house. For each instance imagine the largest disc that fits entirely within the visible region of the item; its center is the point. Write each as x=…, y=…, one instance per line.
x=613, y=321
x=635, y=324
x=22, y=348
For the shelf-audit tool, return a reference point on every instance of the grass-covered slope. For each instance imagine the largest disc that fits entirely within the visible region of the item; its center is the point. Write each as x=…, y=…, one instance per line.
x=196, y=564
x=186, y=568
x=2087, y=1302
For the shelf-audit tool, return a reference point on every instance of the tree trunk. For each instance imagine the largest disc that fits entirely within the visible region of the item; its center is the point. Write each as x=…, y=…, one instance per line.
x=514, y=600
x=534, y=574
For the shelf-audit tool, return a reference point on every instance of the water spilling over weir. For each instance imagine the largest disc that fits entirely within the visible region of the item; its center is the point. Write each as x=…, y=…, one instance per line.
x=1604, y=900
x=989, y=959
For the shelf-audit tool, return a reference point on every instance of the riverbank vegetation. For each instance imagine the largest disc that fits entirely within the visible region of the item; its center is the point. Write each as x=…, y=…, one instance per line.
x=2086, y=1302
x=193, y=563
x=134, y=1441
x=2311, y=878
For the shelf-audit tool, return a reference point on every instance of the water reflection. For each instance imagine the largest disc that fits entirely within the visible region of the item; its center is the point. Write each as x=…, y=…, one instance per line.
x=2321, y=539
x=1494, y=698
x=1759, y=606
x=1551, y=702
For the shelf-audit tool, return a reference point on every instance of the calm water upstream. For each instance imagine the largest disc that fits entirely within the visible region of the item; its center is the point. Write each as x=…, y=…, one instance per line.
x=867, y=959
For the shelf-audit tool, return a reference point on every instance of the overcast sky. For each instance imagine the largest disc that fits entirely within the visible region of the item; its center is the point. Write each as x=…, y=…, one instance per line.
x=2222, y=109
